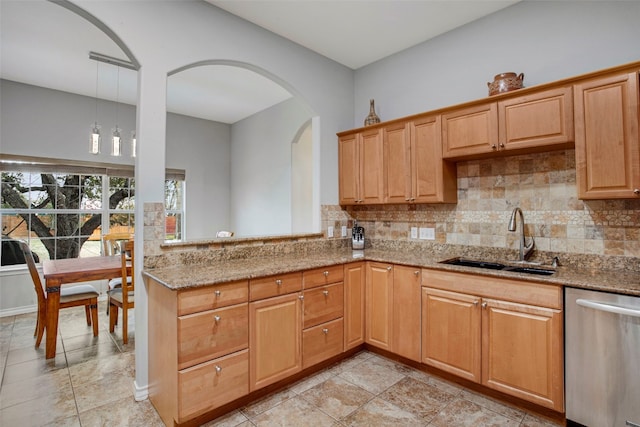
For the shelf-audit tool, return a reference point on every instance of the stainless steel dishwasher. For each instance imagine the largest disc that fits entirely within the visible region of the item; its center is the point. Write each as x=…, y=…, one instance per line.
x=602, y=359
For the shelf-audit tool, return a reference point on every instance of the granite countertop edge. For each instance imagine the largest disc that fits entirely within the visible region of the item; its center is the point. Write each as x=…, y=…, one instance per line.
x=217, y=272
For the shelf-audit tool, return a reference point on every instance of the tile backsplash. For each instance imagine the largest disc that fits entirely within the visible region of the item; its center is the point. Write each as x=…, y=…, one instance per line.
x=543, y=185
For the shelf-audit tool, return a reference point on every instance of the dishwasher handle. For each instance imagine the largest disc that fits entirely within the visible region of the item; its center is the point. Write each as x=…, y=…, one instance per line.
x=611, y=308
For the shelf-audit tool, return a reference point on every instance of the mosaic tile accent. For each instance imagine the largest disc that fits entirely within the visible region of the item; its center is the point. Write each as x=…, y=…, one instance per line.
x=543, y=185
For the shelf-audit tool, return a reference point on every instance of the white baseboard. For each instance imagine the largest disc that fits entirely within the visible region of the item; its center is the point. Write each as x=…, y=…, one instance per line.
x=14, y=311
x=140, y=393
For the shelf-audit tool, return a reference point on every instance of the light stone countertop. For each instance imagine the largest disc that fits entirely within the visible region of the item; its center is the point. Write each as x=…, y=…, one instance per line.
x=215, y=272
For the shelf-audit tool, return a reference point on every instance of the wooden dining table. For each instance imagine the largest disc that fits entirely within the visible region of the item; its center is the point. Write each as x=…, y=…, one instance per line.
x=60, y=272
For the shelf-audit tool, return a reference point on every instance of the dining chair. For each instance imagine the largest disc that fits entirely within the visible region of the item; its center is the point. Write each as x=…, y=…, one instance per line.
x=73, y=296
x=111, y=247
x=123, y=297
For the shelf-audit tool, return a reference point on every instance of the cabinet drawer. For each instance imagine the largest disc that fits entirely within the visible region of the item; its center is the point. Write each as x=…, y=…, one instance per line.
x=212, y=297
x=322, y=276
x=323, y=304
x=274, y=285
x=210, y=334
x=210, y=385
x=322, y=342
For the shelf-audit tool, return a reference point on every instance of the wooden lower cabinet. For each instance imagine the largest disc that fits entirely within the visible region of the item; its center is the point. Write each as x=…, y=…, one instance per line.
x=209, y=385
x=275, y=339
x=522, y=351
x=379, y=304
x=405, y=325
x=322, y=342
x=354, y=307
x=509, y=346
x=451, y=332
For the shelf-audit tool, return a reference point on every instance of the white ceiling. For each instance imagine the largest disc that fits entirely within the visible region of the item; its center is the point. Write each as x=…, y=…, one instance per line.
x=40, y=45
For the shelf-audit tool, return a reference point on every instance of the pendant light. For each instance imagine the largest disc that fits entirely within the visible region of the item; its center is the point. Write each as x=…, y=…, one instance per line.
x=116, y=140
x=133, y=143
x=94, y=147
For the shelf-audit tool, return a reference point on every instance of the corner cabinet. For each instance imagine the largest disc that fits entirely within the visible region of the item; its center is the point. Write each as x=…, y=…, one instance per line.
x=361, y=167
x=504, y=334
x=414, y=171
x=354, y=306
x=607, y=138
x=537, y=121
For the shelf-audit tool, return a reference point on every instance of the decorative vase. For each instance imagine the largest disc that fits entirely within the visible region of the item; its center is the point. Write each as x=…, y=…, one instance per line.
x=505, y=82
x=372, y=118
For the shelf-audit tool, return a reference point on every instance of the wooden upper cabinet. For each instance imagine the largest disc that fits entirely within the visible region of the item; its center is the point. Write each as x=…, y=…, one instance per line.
x=470, y=131
x=536, y=121
x=361, y=168
x=607, y=140
x=414, y=169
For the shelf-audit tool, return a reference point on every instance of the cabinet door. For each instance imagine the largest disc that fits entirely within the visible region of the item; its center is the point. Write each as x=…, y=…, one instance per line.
x=451, y=332
x=432, y=179
x=371, y=170
x=607, y=140
x=379, y=299
x=354, y=297
x=274, y=339
x=406, y=314
x=397, y=163
x=522, y=352
x=348, y=169
x=470, y=131
x=536, y=120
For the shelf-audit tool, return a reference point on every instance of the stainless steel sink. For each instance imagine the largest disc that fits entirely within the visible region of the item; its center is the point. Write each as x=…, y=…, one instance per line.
x=491, y=265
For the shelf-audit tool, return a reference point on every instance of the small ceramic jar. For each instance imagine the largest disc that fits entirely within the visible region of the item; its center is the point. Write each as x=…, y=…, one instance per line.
x=505, y=82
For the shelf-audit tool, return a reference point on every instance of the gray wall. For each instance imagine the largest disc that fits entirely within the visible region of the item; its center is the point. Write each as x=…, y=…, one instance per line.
x=261, y=169
x=545, y=40
x=47, y=123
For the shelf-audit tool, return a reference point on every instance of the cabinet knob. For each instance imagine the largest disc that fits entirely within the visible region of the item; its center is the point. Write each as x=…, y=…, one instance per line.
x=484, y=305
x=494, y=147
x=389, y=268
x=636, y=191
x=325, y=293
x=217, y=318
x=417, y=272
x=502, y=145
x=278, y=282
x=326, y=273
x=408, y=199
x=300, y=297
x=217, y=293
x=218, y=369
x=475, y=303
x=325, y=331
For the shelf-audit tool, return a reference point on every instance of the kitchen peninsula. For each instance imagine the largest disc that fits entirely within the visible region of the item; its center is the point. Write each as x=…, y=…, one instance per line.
x=230, y=325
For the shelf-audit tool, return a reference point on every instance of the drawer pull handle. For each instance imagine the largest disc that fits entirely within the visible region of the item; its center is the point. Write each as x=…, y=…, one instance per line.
x=326, y=273
x=278, y=282
x=217, y=293
x=218, y=369
x=325, y=293
x=325, y=331
x=217, y=319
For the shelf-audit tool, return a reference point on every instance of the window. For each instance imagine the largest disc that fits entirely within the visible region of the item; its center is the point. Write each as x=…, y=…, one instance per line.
x=64, y=214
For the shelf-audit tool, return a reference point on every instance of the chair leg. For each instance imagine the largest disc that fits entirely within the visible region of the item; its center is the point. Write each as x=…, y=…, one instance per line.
x=113, y=316
x=125, y=323
x=40, y=325
x=94, y=317
x=87, y=313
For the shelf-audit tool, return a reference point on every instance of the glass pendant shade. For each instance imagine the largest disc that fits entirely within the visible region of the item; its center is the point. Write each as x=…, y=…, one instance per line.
x=94, y=147
x=116, y=143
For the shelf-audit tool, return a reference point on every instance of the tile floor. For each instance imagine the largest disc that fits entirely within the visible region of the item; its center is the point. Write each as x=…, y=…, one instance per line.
x=90, y=383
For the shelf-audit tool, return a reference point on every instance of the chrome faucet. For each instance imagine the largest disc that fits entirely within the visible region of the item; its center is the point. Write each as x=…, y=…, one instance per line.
x=525, y=250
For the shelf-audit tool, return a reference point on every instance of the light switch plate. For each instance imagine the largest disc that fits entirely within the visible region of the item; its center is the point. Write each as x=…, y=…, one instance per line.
x=414, y=232
x=344, y=231
x=330, y=231
x=431, y=233
x=423, y=233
